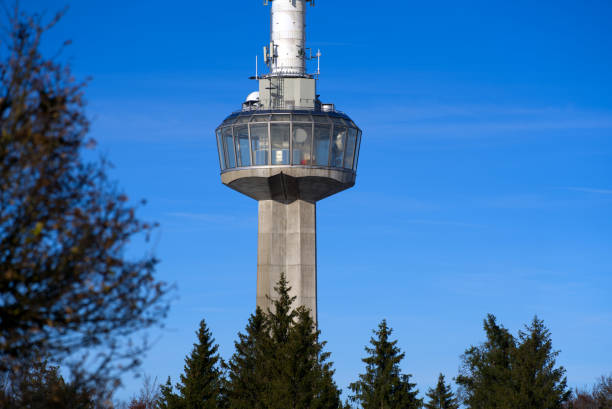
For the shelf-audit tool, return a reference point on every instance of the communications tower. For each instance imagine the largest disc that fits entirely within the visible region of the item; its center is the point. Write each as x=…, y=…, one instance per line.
x=287, y=150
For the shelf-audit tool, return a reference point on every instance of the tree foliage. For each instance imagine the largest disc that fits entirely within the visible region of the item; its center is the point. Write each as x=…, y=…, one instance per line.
x=600, y=397
x=40, y=386
x=442, y=397
x=507, y=372
x=246, y=383
x=280, y=363
x=147, y=397
x=66, y=284
x=383, y=386
x=200, y=386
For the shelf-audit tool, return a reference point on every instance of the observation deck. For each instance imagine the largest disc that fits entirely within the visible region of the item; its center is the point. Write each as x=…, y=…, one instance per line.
x=286, y=155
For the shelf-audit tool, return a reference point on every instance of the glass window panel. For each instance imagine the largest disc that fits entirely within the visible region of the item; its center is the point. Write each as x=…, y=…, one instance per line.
x=302, y=142
x=281, y=117
x=260, y=143
x=260, y=118
x=220, y=149
x=323, y=119
x=338, y=121
x=357, y=150
x=338, y=146
x=228, y=142
x=322, y=134
x=350, y=148
x=301, y=118
x=279, y=138
x=243, y=119
x=241, y=136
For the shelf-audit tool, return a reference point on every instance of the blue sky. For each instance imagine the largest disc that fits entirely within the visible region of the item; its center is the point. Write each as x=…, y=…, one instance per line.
x=484, y=183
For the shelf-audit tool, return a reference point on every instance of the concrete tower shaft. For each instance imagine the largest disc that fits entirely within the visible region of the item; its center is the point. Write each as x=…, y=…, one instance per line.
x=288, y=150
x=287, y=38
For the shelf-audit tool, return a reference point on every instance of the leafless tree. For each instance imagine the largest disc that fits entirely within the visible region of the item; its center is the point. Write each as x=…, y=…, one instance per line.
x=67, y=287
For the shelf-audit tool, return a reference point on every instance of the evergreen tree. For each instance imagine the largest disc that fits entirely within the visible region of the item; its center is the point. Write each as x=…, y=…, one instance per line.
x=168, y=399
x=246, y=381
x=507, y=372
x=442, y=397
x=485, y=377
x=537, y=382
x=383, y=386
x=279, y=361
x=310, y=374
x=201, y=383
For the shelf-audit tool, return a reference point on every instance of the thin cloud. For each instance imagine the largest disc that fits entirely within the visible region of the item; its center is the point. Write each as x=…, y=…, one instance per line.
x=442, y=223
x=204, y=217
x=476, y=120
x=590, y=190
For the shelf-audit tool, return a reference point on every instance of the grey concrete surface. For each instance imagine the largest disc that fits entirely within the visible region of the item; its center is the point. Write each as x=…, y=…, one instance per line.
x=289, y=183
x=287, y=243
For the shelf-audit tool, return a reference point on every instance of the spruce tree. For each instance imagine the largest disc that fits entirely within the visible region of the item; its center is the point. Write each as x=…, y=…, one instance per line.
x=442, y=397
x=538, y=383
x=310, y=373
x=246, y=381
x=168, y=399
x=280, y=363
x=507, y=372
x=201, y=383
x=383, y=386
x=485, y=377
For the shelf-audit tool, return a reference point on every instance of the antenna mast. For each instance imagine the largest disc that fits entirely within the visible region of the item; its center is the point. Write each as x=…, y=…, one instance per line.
x=286, y=54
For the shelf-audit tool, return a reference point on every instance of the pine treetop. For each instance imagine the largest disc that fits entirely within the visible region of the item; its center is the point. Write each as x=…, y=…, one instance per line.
x=507, y=372
x=279, y=362
x=442, y=397
x=383, y=385
x=200, y=385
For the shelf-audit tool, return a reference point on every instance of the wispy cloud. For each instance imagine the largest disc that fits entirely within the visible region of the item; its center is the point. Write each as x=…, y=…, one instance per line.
x=205, y=217
x=477, y=120
x=590, y=190
x=442, y=223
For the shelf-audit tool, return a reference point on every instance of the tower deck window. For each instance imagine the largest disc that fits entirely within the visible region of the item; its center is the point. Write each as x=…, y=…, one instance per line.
x=260, y=143
x=241, y=136
x=321, y=148
x=279, y=139
x=317, y=139
x=228, y=143
x=302, y=143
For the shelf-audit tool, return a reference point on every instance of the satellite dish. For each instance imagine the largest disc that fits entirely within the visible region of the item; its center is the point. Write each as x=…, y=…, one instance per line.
x=253, y=97
x=300, y=135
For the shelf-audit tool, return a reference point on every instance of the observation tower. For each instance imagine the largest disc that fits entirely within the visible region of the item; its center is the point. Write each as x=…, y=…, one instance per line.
x=288, y=150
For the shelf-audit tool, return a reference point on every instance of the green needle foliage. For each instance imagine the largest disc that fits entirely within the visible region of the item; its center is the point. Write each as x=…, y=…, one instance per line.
x=280, y=363
x=201, y=383
x=442, y=397
x=485, y=377
x=383, y=386
x=168, y=399
x=538, y=384
x=246, y=383
x=507, y=372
